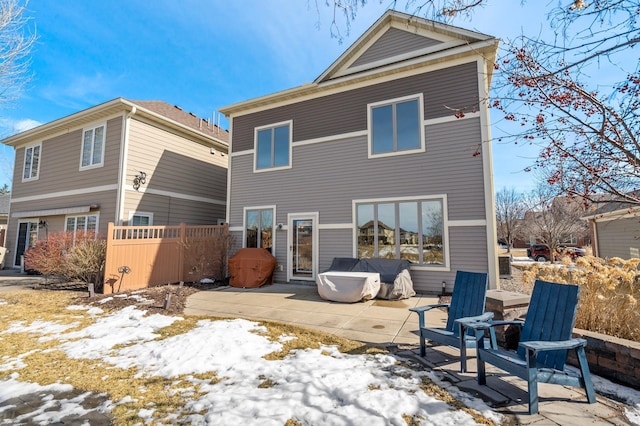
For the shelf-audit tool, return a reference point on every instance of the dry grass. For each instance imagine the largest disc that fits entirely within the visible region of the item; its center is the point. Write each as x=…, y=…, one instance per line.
x=129, y=390
x=609, y=293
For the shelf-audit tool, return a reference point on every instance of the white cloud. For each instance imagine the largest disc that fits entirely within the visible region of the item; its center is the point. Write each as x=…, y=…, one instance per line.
x=9, y=127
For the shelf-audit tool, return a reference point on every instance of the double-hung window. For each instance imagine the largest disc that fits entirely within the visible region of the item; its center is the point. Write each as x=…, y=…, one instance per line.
x=396, y=126
x=93, y=147
x=259, y=227
x=412, y=229
x=273, y=146
x=31, y=163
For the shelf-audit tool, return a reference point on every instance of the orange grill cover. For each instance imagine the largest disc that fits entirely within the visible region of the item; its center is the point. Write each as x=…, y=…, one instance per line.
x=251, y=267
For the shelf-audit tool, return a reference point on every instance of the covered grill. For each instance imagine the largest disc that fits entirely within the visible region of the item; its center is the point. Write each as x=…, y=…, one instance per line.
x=251, y=267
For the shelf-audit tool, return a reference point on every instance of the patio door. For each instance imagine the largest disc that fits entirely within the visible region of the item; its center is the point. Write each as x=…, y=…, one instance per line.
x=27, y=237
x=303, y=246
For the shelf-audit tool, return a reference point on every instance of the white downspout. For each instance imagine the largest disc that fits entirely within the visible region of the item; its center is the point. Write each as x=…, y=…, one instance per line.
x=122, y=178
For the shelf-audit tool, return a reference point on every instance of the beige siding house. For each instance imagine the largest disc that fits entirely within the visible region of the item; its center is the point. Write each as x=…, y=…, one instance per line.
x=615, y=230
x=127, y=162
x=386, y=154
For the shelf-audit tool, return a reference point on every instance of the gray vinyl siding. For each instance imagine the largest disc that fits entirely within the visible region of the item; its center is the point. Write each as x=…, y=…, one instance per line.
x=393, y=43
x=334, y=243
x=60, y=164
x=619, y=238
x=327, y=176
x=345, y=112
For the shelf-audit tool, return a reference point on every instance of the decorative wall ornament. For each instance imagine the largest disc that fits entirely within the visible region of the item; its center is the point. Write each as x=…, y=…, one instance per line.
x=140, y=179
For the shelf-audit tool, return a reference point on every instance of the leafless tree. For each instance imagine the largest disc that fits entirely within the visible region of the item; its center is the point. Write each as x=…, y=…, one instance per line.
x=510, y=209
x=552, y=218
x=16, y=42
x=587, y=128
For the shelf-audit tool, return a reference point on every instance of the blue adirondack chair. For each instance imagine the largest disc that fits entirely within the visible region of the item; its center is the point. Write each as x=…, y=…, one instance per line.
x=467, y=301
x=545, y=340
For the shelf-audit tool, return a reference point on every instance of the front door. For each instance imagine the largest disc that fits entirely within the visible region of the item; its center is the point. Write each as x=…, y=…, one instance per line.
x=303, y=243
x=27, y=237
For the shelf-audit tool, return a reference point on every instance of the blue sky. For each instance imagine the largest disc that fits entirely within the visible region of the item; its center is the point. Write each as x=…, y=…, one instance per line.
x=202, y=55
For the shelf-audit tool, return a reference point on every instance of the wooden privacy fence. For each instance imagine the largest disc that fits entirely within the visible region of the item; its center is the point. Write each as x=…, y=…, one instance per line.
x=143, y=256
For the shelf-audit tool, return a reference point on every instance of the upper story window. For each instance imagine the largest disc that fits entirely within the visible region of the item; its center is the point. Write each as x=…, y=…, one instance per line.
x=273, y=146
x=395, y=126
x=93, y=147
x=31, y=162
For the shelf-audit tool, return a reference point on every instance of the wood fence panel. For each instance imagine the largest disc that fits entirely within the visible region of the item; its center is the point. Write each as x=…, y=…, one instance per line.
x=143, y=256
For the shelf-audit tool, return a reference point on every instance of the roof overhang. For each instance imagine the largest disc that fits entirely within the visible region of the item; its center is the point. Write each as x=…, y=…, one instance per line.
x=100, y=112
x=53, y=212
x=624, y=213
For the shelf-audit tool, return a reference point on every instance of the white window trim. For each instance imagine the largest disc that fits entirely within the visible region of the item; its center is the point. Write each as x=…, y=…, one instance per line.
x=255, y=146
x=445, y=226
x=104, y=143
x=244, y=225
x=97, y=215
x=24, y=162
x=145, y=214
x=422, y=148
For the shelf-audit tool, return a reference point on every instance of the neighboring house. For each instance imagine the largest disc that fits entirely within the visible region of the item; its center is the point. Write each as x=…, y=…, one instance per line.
x=127, y=162
x=615, y=230
x=393, y=138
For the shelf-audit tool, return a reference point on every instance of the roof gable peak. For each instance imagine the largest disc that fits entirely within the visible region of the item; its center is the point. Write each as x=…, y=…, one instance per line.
x=396, y=37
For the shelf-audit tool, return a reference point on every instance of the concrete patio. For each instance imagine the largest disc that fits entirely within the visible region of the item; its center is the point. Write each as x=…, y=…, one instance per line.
x=390, y=324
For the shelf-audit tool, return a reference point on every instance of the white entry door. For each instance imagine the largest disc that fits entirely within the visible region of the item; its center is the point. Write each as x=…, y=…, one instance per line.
x=302, y=259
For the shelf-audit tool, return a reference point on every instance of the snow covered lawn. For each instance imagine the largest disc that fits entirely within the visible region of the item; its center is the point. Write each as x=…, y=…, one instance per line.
x=153, y=368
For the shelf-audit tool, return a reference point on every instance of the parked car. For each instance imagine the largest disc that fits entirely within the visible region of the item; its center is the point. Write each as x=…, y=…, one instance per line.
x=541, y=252
x=572, y=252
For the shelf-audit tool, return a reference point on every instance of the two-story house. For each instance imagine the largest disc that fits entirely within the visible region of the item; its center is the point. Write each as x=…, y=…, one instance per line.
x=127, y=162
x=386, y=154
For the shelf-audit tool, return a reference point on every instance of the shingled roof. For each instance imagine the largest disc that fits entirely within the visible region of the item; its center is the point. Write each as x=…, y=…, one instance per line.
x=177, y=114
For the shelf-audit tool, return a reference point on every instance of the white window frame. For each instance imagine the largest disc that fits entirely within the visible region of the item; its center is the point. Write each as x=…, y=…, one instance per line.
x=273, y=225
x=141, y=214
x=24, y=162
x=420, y=98
x=255, y=146
x=93, y=141
x=86, y=216
x=446, y=266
